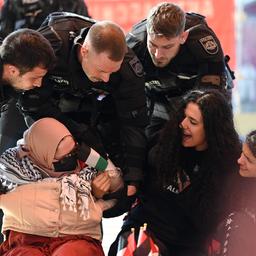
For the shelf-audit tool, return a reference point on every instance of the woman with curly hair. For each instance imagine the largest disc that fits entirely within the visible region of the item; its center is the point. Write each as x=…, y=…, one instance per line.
x=186, y=191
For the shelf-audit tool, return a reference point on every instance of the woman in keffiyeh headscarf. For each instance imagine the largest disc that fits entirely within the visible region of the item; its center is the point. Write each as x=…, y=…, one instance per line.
x=49, y=208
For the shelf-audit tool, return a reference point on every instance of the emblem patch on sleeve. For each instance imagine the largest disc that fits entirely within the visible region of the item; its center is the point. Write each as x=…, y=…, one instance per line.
x=136, y=66
x=209, y=44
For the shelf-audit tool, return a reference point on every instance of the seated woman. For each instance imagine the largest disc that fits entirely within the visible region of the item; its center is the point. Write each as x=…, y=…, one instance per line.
x=185, y=194
x=239, y=234
x=47, y=201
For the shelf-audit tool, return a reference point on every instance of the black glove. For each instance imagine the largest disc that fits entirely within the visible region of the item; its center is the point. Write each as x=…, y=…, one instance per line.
x=123, y=204
x=119, y=194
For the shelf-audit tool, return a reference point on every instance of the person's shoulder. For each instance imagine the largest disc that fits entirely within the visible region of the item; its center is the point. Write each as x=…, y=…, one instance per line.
x=139, y=27
x=132, y=63
x=137, y=35
x=202, y=40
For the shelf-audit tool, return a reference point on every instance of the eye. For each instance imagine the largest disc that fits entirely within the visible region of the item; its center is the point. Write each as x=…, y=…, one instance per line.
x=192, y=121
x=152, y=45
x=168, y=47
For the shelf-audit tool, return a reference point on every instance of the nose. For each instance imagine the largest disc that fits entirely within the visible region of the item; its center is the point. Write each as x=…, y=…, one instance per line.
x=240, y=160
x=38, y=82
x=105, y=77
x=158, y=53
x=183, y=123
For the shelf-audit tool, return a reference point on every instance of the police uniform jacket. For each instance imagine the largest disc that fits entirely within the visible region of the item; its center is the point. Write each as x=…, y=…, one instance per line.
x=200, y=55
x=68, y=95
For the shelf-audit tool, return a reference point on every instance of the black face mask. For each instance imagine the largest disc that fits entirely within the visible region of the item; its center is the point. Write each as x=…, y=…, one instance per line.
x=66, y=164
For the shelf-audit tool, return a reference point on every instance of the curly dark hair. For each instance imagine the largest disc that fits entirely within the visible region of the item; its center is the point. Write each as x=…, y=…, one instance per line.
x=246, y=190
x=223, y=144
x=250, y=140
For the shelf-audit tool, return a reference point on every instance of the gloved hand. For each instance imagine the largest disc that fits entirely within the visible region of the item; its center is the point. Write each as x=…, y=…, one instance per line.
x=119, y=194
x=124, y=202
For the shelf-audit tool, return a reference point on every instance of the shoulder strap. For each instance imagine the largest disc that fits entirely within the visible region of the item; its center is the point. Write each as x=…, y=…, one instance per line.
x=62, y=27
x=194, y=20
x=137, y=35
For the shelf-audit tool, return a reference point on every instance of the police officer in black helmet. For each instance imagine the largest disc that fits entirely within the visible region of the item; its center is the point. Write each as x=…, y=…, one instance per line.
x=178, y=52
x=97, y=91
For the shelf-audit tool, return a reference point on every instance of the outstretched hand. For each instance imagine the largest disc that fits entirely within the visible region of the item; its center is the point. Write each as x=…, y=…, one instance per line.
x=100, y=185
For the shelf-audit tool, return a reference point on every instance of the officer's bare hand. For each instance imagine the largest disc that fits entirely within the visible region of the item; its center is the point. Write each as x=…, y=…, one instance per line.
x=100, y=185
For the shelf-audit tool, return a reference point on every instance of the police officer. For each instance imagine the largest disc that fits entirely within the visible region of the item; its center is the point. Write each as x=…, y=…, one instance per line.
x=97, y=91
x=19, y=72
x=178, y=52
x=16, y=14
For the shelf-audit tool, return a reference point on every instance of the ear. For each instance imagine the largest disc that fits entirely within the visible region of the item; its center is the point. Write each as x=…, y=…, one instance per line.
x=12, y=70
x=84, y=49
x=184, y=36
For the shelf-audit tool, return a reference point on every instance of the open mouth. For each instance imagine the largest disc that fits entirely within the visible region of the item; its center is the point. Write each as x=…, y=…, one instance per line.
x=186, y=136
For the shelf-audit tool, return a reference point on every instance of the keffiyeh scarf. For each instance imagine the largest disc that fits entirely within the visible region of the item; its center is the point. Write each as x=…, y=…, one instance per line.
x=75, y=188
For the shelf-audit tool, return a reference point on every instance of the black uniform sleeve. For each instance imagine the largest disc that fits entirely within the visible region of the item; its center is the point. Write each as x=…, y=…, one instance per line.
x=136, y=39
x=42, y=102
x=206, y=48
x=38, y=103
x=130, y=103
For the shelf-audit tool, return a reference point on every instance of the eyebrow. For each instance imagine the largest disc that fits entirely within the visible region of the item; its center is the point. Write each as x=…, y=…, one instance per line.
x=252, y=161
x=245, y=155
x=168, y=45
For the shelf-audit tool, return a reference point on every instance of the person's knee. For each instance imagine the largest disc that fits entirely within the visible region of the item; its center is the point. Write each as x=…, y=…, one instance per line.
x=79, y=248
x=25, y=251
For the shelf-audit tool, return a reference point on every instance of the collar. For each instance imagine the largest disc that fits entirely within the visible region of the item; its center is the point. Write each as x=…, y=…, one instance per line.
x=80, y=81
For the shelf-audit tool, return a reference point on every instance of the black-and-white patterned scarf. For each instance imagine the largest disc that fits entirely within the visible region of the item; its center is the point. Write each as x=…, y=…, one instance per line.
x=75, y=187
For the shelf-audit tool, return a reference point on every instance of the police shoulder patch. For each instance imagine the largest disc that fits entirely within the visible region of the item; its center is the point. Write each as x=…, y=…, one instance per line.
x=136, y=66
x=209, y=44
